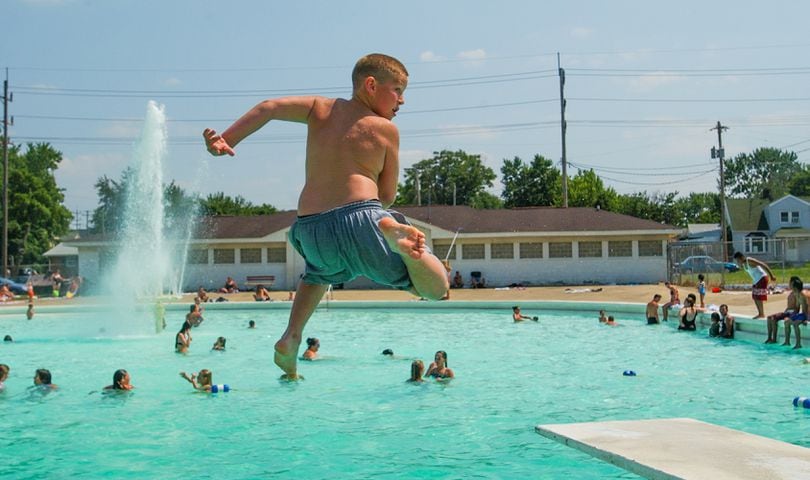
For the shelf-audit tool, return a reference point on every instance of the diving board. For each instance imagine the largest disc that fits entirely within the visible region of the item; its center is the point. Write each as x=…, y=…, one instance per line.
x=684, y=448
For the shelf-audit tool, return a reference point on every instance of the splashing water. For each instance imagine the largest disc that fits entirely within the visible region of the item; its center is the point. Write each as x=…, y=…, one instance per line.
x=149, y=262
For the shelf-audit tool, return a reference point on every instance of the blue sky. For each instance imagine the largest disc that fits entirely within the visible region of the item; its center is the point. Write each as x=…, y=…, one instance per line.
x=646, y=81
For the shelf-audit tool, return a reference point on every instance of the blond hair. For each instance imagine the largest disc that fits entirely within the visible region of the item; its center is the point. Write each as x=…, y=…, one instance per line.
x=382, y=67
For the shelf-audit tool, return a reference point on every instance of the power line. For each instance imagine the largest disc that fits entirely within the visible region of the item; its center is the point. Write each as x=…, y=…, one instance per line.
x=690, y=100
x=659, y=184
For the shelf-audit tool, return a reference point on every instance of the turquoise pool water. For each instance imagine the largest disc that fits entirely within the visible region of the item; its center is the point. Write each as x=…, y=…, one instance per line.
x=354, y=416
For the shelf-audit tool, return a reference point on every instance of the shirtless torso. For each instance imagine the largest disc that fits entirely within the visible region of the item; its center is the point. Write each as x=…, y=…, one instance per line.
x=368, y=172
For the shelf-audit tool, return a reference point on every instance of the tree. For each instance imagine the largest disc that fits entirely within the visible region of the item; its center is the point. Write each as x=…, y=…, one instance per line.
x=658, y=207
x=585, y=189
x=221, y=204
x=800, y=183
x=698, y=208
x=537, y=184
x=765, y=173
x=446, y=177
x=36, y=214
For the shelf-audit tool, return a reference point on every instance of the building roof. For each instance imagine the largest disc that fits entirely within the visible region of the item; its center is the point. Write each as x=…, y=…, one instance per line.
x=446, y=217
x=747, y=215
x=530, y=219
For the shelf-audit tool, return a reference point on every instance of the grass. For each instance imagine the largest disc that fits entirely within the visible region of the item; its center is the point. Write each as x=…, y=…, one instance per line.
x=742, y=278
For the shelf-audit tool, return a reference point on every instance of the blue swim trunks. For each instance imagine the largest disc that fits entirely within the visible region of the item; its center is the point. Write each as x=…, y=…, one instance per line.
x=345, y=242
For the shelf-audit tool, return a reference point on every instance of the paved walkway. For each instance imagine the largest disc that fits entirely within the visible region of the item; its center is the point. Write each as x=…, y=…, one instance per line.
x=740, y=303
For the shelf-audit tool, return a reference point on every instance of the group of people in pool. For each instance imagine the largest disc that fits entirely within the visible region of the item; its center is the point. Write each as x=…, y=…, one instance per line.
x=182, y=340
x=42, y=379
x=437, y=370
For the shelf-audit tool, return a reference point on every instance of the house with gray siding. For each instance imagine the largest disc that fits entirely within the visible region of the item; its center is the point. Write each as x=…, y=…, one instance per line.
x=771, y=230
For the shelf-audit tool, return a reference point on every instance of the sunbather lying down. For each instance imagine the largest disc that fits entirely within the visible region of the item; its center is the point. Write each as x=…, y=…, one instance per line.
x=582, y=290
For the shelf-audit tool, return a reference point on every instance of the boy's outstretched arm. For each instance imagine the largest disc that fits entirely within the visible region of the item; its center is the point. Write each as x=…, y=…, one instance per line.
x=291, y=109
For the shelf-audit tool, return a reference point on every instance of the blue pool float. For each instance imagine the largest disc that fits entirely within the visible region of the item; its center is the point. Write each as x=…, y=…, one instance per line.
x=801, y=402
x=629, y=373
x=220, y=388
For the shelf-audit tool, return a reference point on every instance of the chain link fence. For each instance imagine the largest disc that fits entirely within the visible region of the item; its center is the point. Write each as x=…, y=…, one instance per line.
x=714, y=260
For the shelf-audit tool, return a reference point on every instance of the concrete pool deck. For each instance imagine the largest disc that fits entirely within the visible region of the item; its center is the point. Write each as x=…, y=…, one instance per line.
x=683, y=448
x=739, y=302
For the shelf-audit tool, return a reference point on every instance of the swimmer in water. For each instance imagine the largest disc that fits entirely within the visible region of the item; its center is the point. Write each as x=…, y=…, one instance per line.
x=438, y=369
x=202, y=381
x=219, y=344
x=120, y=381
x=313, y=345
x=42, y=379
x=417, y=369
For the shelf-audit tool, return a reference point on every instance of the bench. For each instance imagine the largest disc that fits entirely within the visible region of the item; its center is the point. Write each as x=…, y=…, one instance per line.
x=266, y=280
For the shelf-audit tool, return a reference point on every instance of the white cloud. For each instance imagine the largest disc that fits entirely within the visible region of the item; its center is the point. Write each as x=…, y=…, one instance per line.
x=477, y=54
x=581, y=32
x=429, y=56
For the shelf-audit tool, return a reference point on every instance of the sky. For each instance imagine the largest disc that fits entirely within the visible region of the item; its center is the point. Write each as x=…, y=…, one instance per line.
x=645, y=82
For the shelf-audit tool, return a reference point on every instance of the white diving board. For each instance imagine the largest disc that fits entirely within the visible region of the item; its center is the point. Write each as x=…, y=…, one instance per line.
x=684, y=448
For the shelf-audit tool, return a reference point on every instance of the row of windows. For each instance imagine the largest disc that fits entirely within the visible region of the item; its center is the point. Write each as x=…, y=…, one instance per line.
x=199, y=256
x=469, y=251
x=615, y=248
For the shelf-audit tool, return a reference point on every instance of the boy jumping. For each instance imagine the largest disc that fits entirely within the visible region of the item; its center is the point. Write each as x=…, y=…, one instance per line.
x=352, y=170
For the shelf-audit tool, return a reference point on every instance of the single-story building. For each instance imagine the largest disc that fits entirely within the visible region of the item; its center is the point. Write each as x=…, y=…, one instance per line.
x=534, y=246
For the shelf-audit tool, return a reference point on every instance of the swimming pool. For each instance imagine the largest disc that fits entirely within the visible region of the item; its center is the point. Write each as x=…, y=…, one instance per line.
x=354, y=416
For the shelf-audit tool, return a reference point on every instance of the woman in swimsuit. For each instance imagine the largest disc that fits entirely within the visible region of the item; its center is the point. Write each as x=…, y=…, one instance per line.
x=688, y=314
x=183, y=338
x=438, y=369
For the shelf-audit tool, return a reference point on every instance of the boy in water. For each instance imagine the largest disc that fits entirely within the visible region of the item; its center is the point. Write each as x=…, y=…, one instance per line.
x=352, y=169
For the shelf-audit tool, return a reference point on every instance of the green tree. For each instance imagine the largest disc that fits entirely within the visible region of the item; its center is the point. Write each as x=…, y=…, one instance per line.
x=445, y=177
x=658, y=207
x=698, y=208
x=800, y=183
x=221, y=204
x=36, y=213
x=585, y=189
x=765, y=173
x=537, y=184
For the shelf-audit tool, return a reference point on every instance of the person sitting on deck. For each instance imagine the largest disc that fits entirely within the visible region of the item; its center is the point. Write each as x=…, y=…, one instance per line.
x=230, y=286
x=262, y=295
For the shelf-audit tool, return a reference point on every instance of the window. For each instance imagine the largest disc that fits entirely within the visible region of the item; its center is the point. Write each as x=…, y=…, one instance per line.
x=560, y=250
x=620, y=248
x=472, y=251
x=277, y=255
x=250, y=255
x=531, y=250
x=502, y=250
x=197, y=256
x=224, y=255
x=590, y=249
x=440, y=250
x=650, y=248
x=755, y=243
x=790, y=218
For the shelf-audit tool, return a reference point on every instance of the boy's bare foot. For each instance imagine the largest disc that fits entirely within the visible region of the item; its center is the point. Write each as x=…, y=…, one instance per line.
x=798, y=346
x=761, y=317
x=786, y=344
x=285, y=357
x=770, y=341
x=404, y=239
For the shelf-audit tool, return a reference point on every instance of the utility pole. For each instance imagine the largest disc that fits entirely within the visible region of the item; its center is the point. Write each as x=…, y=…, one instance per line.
x=563, y=127
x=720, y=153
x=7, y=98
